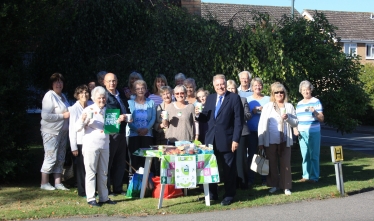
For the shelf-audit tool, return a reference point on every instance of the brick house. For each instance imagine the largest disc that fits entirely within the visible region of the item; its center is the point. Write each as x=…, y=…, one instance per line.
x=356, y=30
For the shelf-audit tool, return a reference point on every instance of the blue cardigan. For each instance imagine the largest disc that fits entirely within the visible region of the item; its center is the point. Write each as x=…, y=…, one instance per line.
x=151, y=114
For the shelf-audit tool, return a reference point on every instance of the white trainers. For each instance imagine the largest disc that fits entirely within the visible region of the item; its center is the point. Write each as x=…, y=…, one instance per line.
x=273, y=189
x=47, y=186
x=61, y=187
x=287, y=192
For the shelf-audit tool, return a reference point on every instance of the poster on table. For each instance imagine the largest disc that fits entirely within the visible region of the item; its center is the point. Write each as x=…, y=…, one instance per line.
x=111, y=125
x=185, y=171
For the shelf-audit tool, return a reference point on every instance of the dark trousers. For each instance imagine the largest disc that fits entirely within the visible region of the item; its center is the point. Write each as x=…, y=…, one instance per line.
x=135, y=143
x=117, y=162
x=227, y=161
x=241, y=161
x=252, y=149
x=80, y=172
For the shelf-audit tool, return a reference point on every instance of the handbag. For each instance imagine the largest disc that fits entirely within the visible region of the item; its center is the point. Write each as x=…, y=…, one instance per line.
x=260, y=164
x=68, y=171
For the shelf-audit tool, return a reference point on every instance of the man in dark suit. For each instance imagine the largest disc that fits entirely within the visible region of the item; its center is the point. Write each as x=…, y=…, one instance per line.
x=224, y=113
x=117, y=146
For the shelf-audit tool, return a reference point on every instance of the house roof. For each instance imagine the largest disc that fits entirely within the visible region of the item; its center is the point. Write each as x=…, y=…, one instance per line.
x=240, y=14
x=352, y=26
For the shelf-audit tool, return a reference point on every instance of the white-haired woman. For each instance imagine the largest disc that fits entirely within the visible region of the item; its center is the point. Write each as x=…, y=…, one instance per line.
x=275, y=135
x=95, y=147
x=309, y=113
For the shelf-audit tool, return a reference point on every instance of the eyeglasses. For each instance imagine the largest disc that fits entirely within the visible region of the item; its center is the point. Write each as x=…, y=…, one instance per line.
x=179, y=93
x=140, y=89
x=279, y=92
x=201, y=96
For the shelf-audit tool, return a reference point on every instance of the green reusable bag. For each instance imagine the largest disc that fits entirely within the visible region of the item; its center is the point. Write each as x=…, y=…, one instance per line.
x=111, y=125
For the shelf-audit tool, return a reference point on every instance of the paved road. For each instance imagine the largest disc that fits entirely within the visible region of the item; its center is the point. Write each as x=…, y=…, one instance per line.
x=361, y=140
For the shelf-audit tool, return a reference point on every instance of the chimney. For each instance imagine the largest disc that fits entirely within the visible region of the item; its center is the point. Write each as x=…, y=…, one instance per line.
x=372, y=16
x=192, y=6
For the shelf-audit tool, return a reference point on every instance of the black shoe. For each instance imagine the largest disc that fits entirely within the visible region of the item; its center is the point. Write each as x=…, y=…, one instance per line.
x=226, y=202
x=109, y=202
x=213, y=197
x=93, y=203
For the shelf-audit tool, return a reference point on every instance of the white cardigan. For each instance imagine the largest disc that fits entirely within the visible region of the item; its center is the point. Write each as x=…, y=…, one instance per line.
x=94, y=136
x=263, y=132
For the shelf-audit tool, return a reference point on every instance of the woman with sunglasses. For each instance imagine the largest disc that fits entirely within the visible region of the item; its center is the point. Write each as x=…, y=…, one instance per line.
x=275, y=136
x=181, y=118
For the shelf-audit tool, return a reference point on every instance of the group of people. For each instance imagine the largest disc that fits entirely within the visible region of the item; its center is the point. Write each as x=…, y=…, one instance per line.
x=237, y=121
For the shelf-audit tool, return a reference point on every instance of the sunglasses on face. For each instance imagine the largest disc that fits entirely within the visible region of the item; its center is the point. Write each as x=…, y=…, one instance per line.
x=179, y=93
x=279, y=92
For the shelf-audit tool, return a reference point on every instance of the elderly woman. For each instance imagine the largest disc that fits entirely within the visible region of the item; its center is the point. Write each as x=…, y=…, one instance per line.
x=143, y=112
x=309, y=113
x=275, y=136
x=159, y=82
x=130, y=90
x=241, y=152
x=95, y=147
x=166, y=93
x=190, y=85
x=54, y=129
x=179, y=78
x=201, y=96
x=256, y=102
x=81, y=94
x=181, y=118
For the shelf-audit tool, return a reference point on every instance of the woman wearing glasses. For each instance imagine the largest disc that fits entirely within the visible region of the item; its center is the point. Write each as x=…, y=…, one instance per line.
x=181, y=118
x=143, y=112
x=275, y=136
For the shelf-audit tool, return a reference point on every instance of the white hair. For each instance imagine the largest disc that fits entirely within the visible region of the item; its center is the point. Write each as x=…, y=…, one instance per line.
x=306, y=84
x=98, y=91
x=246, y=72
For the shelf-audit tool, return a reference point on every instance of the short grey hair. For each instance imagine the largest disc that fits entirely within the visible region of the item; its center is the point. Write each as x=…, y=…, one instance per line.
x=180, y=86
x=190, y=81
x=257, y=79
x=180, y=76
x=246, y=72
x=306, y=84
x=101, y=75
x=219, y=76
x=135, y=74
x=98, y=91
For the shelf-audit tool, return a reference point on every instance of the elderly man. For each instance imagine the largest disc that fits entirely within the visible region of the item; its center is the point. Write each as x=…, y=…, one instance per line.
x=117, y=146
x=244, y=89
x=179, y=78
x=224, y=113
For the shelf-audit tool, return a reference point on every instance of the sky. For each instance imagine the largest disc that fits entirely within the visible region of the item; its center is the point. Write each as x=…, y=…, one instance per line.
x=300, y=5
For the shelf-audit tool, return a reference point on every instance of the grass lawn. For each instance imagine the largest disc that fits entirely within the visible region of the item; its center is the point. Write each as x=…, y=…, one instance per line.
x=26, y=201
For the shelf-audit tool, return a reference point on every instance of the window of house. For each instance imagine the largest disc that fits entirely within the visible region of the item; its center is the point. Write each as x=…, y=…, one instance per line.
x=350, y=48
x=370, y=51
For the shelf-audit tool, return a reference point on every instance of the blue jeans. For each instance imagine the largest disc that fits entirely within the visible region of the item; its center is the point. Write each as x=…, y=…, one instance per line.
x=310, y=144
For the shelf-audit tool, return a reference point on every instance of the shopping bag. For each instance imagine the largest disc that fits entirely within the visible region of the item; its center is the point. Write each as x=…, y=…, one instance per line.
x=169, y=191
x=111, y=125
x=260, y=164
x=135, y=186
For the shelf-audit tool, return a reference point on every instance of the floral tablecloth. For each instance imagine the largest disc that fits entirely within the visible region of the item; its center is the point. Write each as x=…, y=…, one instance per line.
x=206, y=169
